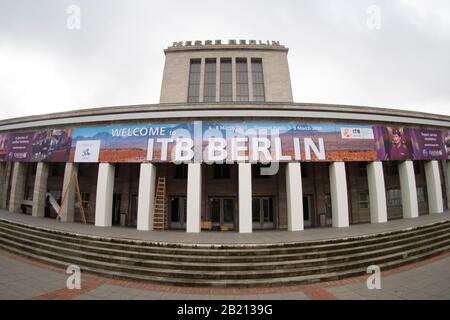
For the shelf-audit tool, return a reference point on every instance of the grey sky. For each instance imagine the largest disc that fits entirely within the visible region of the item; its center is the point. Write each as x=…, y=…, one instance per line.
x=117, y=58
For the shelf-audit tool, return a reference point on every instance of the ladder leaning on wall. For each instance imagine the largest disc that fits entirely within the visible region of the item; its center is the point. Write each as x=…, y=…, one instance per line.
x=160, y=221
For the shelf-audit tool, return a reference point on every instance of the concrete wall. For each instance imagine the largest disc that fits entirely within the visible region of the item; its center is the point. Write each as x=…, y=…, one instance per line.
x=277, y=83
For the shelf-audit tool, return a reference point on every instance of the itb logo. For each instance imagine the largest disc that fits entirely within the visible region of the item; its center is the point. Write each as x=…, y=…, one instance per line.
x=74, y=280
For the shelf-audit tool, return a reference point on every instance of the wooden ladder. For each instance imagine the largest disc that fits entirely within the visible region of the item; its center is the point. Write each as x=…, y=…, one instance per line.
x=160, y=221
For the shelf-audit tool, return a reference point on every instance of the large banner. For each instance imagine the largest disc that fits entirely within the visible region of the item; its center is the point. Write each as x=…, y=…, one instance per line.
x=217, y=142
x=44, y=145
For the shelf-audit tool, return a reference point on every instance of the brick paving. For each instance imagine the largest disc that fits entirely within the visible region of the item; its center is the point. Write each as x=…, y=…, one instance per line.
x=21, y=278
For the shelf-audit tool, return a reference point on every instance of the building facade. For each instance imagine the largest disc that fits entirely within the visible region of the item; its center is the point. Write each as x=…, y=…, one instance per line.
x=226, y=149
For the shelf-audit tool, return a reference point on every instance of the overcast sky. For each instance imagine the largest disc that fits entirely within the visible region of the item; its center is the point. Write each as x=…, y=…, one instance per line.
x=393, y=54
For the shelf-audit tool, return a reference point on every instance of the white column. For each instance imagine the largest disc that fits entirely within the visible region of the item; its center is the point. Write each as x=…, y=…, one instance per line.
x=339, y=201
x=194, y=197
x=377, y=192
x=104, y=199
x=245, y=197
x=294, y=196
x=3, y=176
x=6, y=185
x=146, y=199
x=434, y=189
x=40, y=189
x=67, y=213
x=409, y=191
x=17, y=186
x=447, y=174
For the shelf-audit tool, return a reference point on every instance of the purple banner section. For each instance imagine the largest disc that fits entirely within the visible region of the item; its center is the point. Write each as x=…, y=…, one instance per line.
x=19, y=147
x=4, y=141
x=446, y=137
x=402, y=143
x=52, y=145
x=427, y=144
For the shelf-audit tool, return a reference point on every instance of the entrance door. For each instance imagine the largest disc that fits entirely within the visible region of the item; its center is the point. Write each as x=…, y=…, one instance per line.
x=177, y=212
x=328, y=209
x=116, y=209
x=222, y=212
x=262, y=213
x=307, y=210
x=132, y=219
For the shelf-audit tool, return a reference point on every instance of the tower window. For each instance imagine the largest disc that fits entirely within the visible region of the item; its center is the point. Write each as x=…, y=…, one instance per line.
x=258, y=80
x=226, y=80
x=241, y=80
x=209, y=94
x=194, y=81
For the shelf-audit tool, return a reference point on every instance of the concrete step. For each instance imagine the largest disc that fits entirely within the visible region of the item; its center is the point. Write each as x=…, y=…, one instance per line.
x=206, y=259
x=240, y=282
x=226, y=250
x=223, y=265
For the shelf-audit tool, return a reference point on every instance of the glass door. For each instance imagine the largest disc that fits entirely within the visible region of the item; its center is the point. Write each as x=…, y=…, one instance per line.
x=263, y=213
x=307, y=210
x=328, y=209
x=221, y=212
x=177, y=212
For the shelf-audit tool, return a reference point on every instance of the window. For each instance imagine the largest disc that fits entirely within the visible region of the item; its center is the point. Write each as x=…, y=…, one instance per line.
x=305, y=170
x=83, y=170
x=57, y=169
x=256, y=171
x=364, y=200
x=392, y=168
x=241, y=80
x=226, y=80
x=394, y=198
x=33, y=169
x=421, y=194
x=194, y=81
x=417, y=166
x=258, y=80
x=85, y=200
x=328, y=207
x=181, y=171
x=209, y=91
x=362, y=169
x=29, y=193
x=221, y=171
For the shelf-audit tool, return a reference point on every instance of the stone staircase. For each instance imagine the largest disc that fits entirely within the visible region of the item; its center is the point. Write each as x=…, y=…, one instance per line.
x=226, y=265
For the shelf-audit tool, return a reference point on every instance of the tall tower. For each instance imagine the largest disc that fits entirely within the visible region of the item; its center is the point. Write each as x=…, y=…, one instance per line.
x=233, y=72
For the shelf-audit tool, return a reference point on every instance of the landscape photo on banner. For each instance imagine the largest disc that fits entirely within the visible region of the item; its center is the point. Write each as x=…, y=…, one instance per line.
x=128, y=143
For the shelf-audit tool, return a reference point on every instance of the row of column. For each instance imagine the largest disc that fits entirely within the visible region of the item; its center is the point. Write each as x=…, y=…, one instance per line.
x=338, y=188
x=147, y=182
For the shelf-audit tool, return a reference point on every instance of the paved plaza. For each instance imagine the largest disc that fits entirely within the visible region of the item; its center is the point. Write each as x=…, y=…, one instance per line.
x=21, y=278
